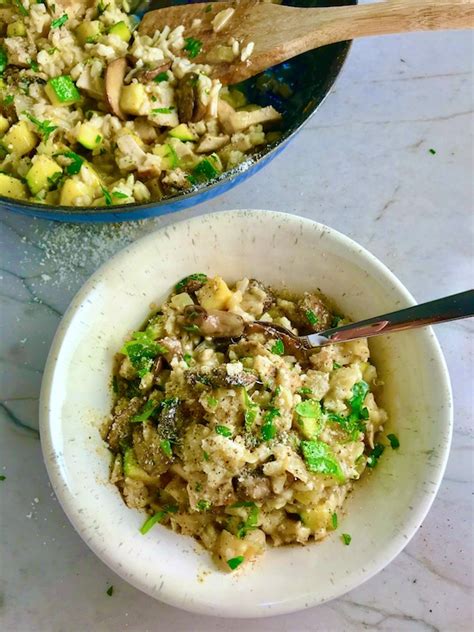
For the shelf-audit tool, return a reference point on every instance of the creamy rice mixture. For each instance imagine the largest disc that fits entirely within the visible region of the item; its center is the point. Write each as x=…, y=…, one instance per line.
x=224, y=430
x=93, y=114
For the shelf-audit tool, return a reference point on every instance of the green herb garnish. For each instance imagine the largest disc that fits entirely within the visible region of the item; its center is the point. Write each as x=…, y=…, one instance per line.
x=141, y=351
x=76, y=162
x=319, y=458
x=3, y=61
x=204, y=170
x=334, y=520
x=110, y=591
x=203, y=505
x=375, y=455
x=55, y=24
x=205, y=455
x=44, y=127
x=2, y=477
x=158, y=517
x=163, y=110
x=250, y=523
x=336, y=365
x=101, y=7
x=235, y=561
x=335, y=321
x=354, y=423
x=212, y=401
x=163, y=76
x=278, y=348
x=224, y=431
x=208, y=9
x=107, y=196
x=394, y=442
x=192, y=46
x=197, y=276
x=432, y=151
x=8, y=100
x=251, y=410
x=311, y=317
x=119, y=195
x=147, y=411
x=21, y=8
x=34, y=65
x=346, y=538
x=305, y=391
x=165, y=446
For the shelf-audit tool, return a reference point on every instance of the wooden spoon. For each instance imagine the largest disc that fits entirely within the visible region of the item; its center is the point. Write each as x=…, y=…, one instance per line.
x=275, y=33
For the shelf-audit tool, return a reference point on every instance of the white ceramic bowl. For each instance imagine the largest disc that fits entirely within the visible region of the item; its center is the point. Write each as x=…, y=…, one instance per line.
x=385, y=509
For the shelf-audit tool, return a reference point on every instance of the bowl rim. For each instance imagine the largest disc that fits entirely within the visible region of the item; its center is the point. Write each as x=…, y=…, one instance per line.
x=54, y=465
x=167, y=205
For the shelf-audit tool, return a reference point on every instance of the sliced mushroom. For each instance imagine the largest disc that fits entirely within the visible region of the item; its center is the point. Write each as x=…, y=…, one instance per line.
x=190, y=107
x=148, y=74
x=173, y=345
x=214, y=322
x=293, y=345
x=219, y=377
x=312, y=308
x=114, y=76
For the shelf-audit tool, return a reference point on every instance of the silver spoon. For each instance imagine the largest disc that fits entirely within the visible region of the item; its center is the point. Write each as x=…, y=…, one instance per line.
x=440, y=311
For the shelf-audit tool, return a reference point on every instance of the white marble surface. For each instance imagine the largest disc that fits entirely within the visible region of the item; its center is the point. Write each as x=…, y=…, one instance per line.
x=363, y=166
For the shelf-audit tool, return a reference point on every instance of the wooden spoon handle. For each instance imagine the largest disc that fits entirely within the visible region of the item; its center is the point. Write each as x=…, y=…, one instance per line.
x=336, y=24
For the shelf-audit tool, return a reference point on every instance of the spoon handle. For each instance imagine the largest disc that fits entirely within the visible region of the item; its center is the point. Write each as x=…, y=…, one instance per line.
x=440, y=311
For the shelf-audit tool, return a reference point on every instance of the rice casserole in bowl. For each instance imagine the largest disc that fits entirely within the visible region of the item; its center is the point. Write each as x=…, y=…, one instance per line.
x=94, y=114
x=222, y=430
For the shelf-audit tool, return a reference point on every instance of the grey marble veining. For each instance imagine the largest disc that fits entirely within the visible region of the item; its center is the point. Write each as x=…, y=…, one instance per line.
x=361, y=165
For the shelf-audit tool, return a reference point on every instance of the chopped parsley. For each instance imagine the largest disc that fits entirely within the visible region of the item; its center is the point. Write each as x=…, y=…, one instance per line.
x=334, y=520
x=118, y=195
x=44, y=127
x=242, y=503
x=394, y=442
x=2, y=477
x=165, y=446
x=110, y=591
x=309, y=408
x=158, y=517
x=3, y=60
x=198, y=487
x=224, y=431
x=335, y=321
x=212, y=402
x=56, y=24
x=320, y=459
x=354, y=423
x=346, y=538
x=208, y=8
x=205, y=455
x=21, y=7
x=336, y=365
x=250, y=523
x=141, y=351
x=107, y=196
x=34, y=65
x=203, y=505
x=187, y=357
x=311, y=317
x=163, y=110
x=197, y=276
x=375, y=455
x=192, y=46
x=432, y=151
x=162, y=76
x=305, y=391
x=8, y=100
x=278, y=348
x=76, y=162
x=147, y=411
x=268, y=430
x=235, y=561
x=101, y=7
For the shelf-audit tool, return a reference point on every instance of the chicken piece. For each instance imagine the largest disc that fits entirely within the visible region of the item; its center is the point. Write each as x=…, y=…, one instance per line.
x=209, y=143
x=233, y=121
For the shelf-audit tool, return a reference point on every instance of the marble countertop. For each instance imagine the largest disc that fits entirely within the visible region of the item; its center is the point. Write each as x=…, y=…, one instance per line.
x=362, y=165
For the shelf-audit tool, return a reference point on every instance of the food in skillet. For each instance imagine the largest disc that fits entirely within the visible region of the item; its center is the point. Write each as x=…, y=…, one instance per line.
x=219, y=432
x=94, y=114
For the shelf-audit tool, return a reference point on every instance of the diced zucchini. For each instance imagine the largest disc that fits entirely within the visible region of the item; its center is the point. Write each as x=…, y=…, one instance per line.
x=234, y=97
x=182, y=132
x=214, y=294
x=62, y=91
x=89, y=32
x=72, y=189
x=317, y=518
x=89, y=175
x=16, y=29
x=20, y=139
x=168, y=155
x=180, y=301
x=4, y=124
x=308, y=426
x=132, y=98
x=12, y=187
x=121, y=30
x=88, y=136
x=131, y=469
x=43, y=174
